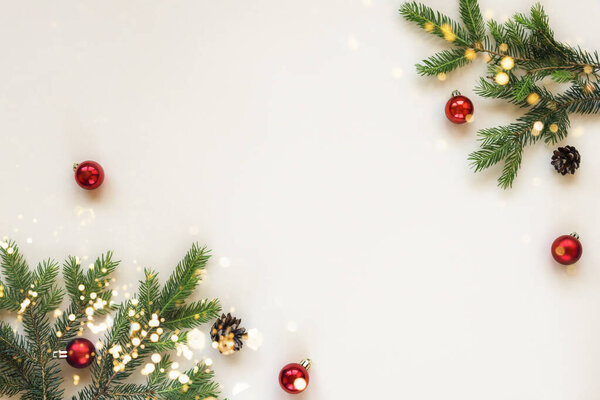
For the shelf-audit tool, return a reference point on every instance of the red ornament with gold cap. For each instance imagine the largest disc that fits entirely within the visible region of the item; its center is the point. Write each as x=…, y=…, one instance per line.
x=88, y=174
x=293, y=378
x=80, y=353
x=567, y=249
x=459, y=109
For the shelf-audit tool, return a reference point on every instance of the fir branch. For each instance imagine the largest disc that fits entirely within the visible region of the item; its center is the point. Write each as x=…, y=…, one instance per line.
x=517, y=37
x=471, y=17
x=152, y=303
x=66, y=327
x=93, y=281
x=522, y=88
x=131, y=392
x=497, y=31
x=16, y=271
x=490, y=89
x=507, y=142
x=26, y=365
x=166, y=343
x=435, y=22
x=156, y=377
x=44, y=280
x=35, y=292
x=562, y=122
x=581, y=101
x=37, y=328
x=587, y=58
x=562, y=76
x=184, y=280
x=103, y=373
x=9, y=387
x=194, y=314
x=6, y=302
x=14, y=346
x=530, y=42
x=201, y=385
x=443, y=62
x=512, y=162
x=149, y=291
x=498, y=147
x=28, y=369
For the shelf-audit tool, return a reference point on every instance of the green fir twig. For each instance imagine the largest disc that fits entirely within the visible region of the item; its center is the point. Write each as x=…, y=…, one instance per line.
x=531, y=53
x=156, y=320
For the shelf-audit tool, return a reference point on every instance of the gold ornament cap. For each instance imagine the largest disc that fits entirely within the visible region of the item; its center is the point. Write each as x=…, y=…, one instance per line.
x=306, y=363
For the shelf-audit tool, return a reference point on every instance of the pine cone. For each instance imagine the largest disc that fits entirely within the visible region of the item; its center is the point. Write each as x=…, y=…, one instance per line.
x=227, y=334
x=566, y=160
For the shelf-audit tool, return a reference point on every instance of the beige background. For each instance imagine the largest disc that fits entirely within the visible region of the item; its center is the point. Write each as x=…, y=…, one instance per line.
x=296, y=140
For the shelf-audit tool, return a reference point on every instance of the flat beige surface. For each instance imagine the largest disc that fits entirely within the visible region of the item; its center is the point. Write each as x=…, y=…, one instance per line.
x=296, y=140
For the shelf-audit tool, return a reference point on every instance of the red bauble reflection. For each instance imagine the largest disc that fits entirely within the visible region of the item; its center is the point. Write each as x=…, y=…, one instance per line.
x=567, y=249
x=293, y=378
x=80, y=353
x=89, y=175
x=459, y=109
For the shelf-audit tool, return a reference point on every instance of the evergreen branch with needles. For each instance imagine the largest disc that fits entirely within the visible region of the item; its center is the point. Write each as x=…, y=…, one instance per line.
x=150, y=324
x=520, y=53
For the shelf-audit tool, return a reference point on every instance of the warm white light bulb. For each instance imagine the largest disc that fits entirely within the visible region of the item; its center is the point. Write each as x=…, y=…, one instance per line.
x=300, y=384
x=502, y=78
x=507, y=63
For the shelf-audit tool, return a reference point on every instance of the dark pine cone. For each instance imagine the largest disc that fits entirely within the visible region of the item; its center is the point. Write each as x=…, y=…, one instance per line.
x=227, y=334
x=566, y=160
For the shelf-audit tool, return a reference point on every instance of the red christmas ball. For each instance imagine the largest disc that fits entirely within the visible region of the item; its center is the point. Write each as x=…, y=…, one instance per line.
x=89, y=174
x=80, y=353
x=567, y=249
x=293, y=378
x=459, y=109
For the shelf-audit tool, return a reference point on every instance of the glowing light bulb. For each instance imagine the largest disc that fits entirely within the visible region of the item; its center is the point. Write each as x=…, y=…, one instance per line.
x=470, y=54
x=533, y=98
x=448, y=34
x=502, y=78
x=507, y=63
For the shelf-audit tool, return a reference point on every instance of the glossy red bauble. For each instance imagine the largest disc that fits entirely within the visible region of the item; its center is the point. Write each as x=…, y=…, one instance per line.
x=89, y=175
x=80, y=353
x=293, y=378
x=459, y=109
x=567, y=249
